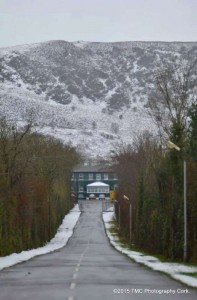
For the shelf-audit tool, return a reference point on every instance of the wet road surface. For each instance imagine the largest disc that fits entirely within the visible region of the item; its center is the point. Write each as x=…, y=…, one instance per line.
x=88, y=268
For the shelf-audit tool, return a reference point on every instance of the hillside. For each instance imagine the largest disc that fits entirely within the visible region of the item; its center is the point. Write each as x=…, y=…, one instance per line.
x=91, y=95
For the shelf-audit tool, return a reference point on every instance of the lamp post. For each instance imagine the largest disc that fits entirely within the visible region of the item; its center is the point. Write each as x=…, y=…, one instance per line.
x=173, y=146
x=119, y=215
x=130, y=225
x=185, y=210
x=116, y=203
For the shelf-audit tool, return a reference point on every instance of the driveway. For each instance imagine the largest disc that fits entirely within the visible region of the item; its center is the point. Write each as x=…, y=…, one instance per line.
x=88, y=268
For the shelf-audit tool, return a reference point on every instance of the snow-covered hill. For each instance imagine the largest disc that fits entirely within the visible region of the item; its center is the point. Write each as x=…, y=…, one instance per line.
x=91, y=95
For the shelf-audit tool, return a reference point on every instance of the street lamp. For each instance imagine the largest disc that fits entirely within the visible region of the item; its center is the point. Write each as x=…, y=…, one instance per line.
x=130, y=225
x=173, y=146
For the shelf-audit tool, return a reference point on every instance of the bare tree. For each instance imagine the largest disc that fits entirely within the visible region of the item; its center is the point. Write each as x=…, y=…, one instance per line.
x=12, y=137
x=172, y=95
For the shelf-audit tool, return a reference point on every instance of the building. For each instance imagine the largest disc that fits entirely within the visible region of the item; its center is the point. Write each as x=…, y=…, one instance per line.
x=98, y=188
x=95, y=180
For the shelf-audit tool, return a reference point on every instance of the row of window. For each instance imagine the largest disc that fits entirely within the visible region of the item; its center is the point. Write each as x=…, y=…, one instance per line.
x=91, y=176
x=92, y=189
x=101, y=189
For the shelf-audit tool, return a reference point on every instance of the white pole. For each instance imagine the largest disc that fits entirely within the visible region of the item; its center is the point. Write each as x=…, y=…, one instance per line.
x=130, y=224
x=185, y=210
x=119, y=215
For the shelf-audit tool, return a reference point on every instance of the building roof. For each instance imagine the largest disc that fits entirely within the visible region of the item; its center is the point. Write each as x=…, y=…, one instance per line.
x=91, y=168
x=98, y=183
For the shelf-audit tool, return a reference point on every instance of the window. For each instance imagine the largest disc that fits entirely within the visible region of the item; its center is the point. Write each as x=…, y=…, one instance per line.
x=98, y=176
x=115, y=186
x=91, y=190
x=115, y=176
x=90, y=176
x=81, y=188
x=72, y=177
x=106, y=177
x=106, y=190
x=80, y=176
x=99, y=189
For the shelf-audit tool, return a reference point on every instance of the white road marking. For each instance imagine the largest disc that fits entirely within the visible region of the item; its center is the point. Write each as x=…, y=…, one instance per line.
x=74, y=276
x=71, y=298
x=76, y=269
x=78, y=265
x=73, y=285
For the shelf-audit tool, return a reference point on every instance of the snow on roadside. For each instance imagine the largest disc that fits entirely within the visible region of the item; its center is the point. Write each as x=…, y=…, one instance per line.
x=61, y=238
x=175, y=270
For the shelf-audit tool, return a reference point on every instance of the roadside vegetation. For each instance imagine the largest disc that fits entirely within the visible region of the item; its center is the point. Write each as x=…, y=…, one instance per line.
x=151, y=175
x=35, y=173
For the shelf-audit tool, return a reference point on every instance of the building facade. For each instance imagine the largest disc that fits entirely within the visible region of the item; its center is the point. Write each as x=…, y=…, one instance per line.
x=84, y=176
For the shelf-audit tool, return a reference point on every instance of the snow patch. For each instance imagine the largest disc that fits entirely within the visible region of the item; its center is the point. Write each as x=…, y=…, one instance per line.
x=61, y=238
x=175, y=270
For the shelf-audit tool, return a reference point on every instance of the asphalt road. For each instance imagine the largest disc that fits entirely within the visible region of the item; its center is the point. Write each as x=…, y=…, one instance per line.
x=88, y=268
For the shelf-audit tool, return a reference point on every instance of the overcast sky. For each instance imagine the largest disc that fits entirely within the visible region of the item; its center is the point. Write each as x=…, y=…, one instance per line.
x=30, y=21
